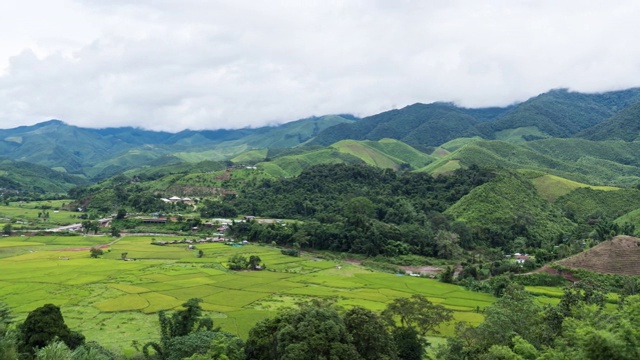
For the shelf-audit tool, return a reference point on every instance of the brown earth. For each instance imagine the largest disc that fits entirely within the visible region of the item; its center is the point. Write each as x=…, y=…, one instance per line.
x=549, y=270
x=424, y=270
x=620, y=255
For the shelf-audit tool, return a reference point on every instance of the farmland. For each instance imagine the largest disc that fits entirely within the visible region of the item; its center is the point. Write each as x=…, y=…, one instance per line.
x=114, y=301
x=30, y=214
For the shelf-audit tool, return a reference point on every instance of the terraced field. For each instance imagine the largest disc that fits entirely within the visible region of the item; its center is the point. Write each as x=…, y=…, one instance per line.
x=115, y=301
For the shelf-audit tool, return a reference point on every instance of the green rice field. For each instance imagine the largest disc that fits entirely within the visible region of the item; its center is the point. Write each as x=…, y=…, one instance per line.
x=25, y=214
x=115, y=302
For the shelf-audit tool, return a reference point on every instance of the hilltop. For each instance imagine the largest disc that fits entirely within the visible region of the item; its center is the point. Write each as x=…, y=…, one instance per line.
x=619, y=255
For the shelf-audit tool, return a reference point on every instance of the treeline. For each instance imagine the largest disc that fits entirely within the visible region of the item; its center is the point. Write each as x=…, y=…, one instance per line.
x=578, y=327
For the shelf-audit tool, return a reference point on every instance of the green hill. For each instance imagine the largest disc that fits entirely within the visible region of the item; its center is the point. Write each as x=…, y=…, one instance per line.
x=386, y=153
x=583, y=203
x=507, y=207
x=19, y=177
x=559, y=113
x=417, y=125
x=401, y=151
x=551, y=187
x=597, y=163
x=104, y=152
x=293, y=165
x=496, y=153
x=623, y=126
x=580, y=150
x=632, y=217
x=251, y=156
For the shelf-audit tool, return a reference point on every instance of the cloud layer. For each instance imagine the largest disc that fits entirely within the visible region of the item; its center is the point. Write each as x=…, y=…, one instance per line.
x=171, y=65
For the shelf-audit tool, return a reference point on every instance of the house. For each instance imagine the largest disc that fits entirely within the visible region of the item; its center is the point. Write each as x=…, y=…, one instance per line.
x=520, y=259
x=175, y=199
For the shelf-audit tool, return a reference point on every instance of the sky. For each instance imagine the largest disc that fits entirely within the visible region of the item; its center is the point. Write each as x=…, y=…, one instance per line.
x=206, y=64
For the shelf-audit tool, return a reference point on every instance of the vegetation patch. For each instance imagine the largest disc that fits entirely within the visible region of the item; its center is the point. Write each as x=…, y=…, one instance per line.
x=123, y=303
x=552, y=187
x=131, y=289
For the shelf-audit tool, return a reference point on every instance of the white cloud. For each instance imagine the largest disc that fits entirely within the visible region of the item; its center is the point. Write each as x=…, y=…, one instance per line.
x=170, y=65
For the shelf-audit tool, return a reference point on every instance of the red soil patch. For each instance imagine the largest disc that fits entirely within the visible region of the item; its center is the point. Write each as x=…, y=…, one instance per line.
x=224, y=176
x=549, y=270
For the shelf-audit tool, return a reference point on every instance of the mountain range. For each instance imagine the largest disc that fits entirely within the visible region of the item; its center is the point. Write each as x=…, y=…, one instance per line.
x=589, y=138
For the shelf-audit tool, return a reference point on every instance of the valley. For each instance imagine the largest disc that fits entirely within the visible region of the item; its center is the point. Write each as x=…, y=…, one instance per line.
x=528, y=209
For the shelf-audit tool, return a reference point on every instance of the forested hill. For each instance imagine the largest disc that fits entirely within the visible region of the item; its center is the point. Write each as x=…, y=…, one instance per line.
x=557, y=113
x=418, y=124
x=560, y=113
x=623, y=126
x=22, y=179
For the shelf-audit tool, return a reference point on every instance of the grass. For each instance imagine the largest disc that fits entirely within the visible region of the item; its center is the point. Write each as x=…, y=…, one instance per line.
x=26, y=213
x=551, y=187
x=517, y=135
x=114, y=301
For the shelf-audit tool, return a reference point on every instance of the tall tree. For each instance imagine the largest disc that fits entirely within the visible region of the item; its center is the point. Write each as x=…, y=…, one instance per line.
x=315, y=331
x=185, y=333
x=369, y=334
x=417, y=312
x=44, y=325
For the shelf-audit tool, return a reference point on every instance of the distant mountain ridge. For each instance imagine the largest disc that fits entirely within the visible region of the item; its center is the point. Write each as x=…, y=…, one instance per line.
x=105, y=152
x=101, y=153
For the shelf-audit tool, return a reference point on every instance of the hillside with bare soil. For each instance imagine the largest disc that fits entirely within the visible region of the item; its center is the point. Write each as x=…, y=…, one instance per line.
x=620, y=255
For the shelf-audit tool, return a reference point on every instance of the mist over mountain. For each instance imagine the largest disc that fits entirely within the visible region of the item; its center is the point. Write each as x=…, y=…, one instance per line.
x=100, y=153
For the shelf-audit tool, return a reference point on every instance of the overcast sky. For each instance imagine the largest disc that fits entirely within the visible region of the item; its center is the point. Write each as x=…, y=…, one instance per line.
x=203, y=64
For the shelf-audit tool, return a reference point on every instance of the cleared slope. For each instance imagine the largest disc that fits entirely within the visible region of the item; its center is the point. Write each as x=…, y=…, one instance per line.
x=386, y=153
x=620, y=255
x=551, y=187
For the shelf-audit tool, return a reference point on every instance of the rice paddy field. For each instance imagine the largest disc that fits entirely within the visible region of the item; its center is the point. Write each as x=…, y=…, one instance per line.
x=25, y=214
x=115, y=302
